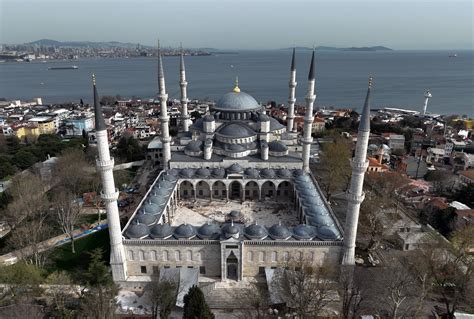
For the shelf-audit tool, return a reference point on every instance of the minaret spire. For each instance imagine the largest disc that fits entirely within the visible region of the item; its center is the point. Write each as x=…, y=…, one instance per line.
x=109, y=194
x=291, y=99
x=184, y=97
x=307, y=140
x=355, y=195
x=164, y=118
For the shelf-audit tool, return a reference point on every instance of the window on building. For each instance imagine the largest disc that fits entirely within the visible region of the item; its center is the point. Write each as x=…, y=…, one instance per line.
x=261, y=256
x=200, y=192
x=274, y=256
x=261, y=270
x=273, y=267
x=190, y=267
x=247, y=192
x=202, y=270
x=153, y=255
x=156, y=270
x=143, y=269
x=189, y=255
x=185, y=192
x=216, y=192
x=177, y=255
x=179, y=267
x=165, y=255
x=166, y=267
x=286, y=256
x=141, y=255
x=250, y=256
x=130, y=255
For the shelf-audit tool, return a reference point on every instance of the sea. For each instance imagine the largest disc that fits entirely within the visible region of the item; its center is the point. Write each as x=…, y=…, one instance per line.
x=400, y=78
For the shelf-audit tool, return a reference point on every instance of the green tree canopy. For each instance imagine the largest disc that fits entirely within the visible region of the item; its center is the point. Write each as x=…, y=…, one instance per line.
x=195, y=305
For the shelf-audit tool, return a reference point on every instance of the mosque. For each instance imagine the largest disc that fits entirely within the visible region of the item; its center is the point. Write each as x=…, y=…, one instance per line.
x=235, y=154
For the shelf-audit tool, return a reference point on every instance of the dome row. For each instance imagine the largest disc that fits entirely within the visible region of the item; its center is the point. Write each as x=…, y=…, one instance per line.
x=236, y=169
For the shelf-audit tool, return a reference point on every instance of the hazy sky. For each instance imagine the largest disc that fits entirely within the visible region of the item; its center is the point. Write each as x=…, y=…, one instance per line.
x=244, y=24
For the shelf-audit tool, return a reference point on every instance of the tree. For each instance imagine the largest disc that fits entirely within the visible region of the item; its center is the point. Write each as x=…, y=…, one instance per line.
x=67, y=210
x=24, y=159
x=351, y=292
x=62, y=294
x=21, y=281
x=335, y=166
x=99, y=299
x=163, y=297
x=254, y=302
x=304, y=286
x=465, y=194
x=129, y=149
x=195, y=305
x=371, y=220
x=72, y=172
x=195, y=115
x=6, y=167
x=442, y=181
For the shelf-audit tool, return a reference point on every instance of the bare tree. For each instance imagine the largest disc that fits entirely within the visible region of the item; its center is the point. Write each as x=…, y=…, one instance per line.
x=73, y=172
x=305, y=286
x=351, y=292
x=67, y=210
x=254, y=302
x=371, y=220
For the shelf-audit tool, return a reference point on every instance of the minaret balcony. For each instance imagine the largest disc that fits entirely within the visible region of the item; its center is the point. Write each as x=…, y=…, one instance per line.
x=356, y=199
x=110, y=197
x=360, y=166
x=105, y=164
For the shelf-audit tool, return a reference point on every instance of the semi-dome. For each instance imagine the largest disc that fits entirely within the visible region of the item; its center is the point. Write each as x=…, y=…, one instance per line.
x=237, y=101
x=184, y=231
x=161, y=231
x=187, y=173
x=209, y=231
x=328, y=233
x=234, y=148
x=256, y=231
x=263, y=117
x=235, y=130
x=275, y=125
x=303, y=232
x=145, y=218
x=279, y=231
x=136, y=230
x=203, y=172
x=218, y=172
x=267, y=173
x=252, y=173
x=277, y=146
x=198, y=124
x=235, y=169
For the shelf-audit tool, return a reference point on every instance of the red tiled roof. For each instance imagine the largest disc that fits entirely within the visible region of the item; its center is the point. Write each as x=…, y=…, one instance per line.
x=469, y=174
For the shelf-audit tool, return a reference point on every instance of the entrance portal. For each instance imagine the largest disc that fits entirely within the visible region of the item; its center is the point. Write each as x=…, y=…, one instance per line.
x=232, y=267
x=235, y=189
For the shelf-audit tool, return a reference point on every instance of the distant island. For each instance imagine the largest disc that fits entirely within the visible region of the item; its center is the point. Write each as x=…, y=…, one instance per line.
x=326, y=48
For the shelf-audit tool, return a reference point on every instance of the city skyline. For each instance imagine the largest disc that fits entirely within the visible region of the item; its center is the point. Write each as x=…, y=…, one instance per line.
x=401, y=25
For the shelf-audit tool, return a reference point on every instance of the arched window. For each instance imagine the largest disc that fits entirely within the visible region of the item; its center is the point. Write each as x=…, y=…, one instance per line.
x=261, y=256
x=153, y=255
x=286, y=256
x=130, y=255
x=177, y=255
x=189, y=255
x=166, y=256
x=141, y=255
x=274, y=256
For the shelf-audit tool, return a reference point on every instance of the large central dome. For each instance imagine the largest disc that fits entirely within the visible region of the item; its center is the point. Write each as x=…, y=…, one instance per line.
x=237, y=101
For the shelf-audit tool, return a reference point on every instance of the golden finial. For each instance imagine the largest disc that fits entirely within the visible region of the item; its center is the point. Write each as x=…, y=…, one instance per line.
x=370, y=80
x=93, y=79
x=236, y=88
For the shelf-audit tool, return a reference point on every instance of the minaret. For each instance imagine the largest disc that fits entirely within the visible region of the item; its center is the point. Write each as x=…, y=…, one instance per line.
x=307, y=140
x=109, y=194
x=427, y=97
x=291, y=99
x=164, y=118
x=355, y=195
x=184, y=97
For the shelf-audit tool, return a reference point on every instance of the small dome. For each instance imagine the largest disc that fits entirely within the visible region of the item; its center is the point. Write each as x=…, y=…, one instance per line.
x=252, y=173
x=284, y=173
x=161, y=231
x=158, y=191
x=256, y=231
x=278, y=231
x=187, y=173
x=184, y=231
x=235, y=169
x=198, y=124
x=165, y=184
x=209, y=118
x=237, y=101
x=299, y=172
x=145, y=218
x=235, y=130
x=194, y=146
x=328, y=233
x=157, y=199
x=277, y=146
x=136, y=230
x=234, y=215
x=218, y=172
x=150, y=208
x=230, y=230
x=303, y=232
x=209, y=231
x=203, y=173
x=170, y=178
x=173, y=172
x=267, y=173
x=320, y=221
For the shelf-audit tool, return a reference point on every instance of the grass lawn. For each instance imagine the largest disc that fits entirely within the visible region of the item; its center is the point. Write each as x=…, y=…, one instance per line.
x=62, y=257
